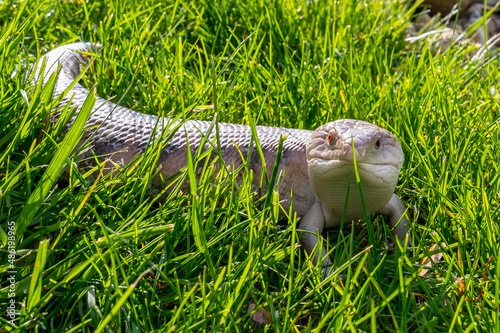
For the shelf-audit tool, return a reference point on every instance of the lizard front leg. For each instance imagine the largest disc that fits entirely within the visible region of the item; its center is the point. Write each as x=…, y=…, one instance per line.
x=395, y=209
x=311, y=225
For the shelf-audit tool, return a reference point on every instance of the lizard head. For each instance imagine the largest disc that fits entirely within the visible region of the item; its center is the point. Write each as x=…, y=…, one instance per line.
x=331, y=151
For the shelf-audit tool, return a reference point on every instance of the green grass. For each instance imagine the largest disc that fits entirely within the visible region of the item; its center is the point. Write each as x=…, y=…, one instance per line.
x=102, y=252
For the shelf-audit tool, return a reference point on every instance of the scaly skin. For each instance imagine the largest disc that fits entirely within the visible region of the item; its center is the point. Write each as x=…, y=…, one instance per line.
x=318, y=165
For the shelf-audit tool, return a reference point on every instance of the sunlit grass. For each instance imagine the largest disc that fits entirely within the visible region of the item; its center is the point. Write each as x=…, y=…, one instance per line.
x=99, y=251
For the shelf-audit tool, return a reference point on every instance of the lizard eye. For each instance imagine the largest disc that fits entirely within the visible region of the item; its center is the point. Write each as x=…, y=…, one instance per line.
x=330, y=139
x=378, y=144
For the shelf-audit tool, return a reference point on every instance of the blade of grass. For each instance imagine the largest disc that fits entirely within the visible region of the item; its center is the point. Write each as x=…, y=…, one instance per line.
x=55, y=168
x=36, y=279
